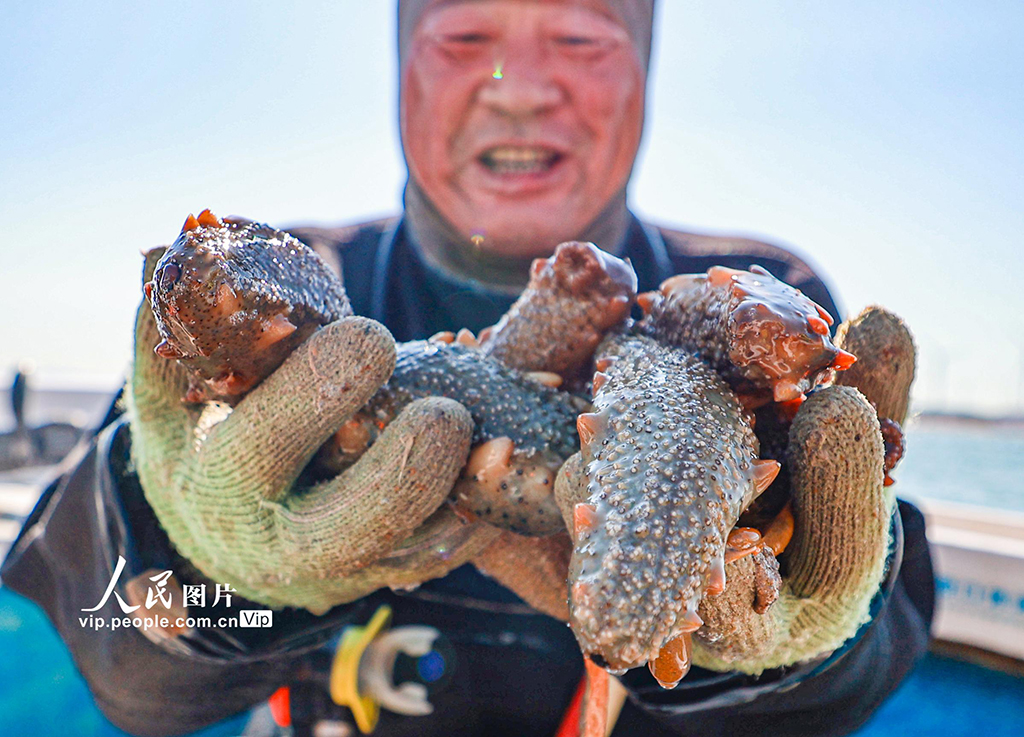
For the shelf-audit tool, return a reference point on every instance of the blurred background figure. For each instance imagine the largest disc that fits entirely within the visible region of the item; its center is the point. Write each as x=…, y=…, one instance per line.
x=32, y=442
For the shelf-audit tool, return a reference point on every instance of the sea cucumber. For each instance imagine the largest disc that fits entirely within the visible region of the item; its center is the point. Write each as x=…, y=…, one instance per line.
x=670, y=461
x=768, y=340
x=234, y=298
x=523, y=430
x=571, y=302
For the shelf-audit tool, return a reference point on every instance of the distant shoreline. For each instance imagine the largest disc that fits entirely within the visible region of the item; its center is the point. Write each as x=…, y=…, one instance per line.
x=958, y=419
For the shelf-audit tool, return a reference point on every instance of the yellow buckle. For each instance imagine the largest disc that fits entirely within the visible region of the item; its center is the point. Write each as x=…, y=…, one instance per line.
x=345, y=670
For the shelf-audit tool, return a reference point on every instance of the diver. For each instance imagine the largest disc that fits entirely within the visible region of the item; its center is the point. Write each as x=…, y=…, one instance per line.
x=520, y=124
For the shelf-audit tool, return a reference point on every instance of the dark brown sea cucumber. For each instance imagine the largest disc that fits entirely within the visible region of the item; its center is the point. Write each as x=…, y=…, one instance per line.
x=523, y=430
x=573, y=299
x=234, y=298
x=768, y=340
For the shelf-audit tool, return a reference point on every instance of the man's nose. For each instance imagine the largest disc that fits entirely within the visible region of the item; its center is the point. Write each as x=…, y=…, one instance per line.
x=520, y=89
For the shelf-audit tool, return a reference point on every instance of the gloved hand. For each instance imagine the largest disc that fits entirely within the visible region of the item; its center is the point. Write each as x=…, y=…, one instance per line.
x=839, y=516
x=841, y=519
x=221, y=481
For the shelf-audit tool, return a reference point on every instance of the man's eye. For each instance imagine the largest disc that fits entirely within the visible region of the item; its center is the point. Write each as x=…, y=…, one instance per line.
x=576, y=40
x=466, y=38
x=464, y=47
x=583, y=47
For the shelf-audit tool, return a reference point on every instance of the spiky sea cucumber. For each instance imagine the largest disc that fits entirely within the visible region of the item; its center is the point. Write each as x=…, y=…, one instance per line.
x=523, y=430
x=233, y=298
x=571, y=302
x=670, y=461
x=768, y=340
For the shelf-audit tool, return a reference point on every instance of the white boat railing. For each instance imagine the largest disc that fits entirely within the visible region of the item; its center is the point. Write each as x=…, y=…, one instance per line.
x=978, y=554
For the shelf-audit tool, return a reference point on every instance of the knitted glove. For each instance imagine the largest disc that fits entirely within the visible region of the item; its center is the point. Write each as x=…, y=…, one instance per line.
x=885, y=363
x=222, y=481
x=842, y=514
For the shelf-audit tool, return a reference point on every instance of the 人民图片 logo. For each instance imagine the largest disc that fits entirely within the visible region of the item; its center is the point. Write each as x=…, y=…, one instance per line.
x=155, y=603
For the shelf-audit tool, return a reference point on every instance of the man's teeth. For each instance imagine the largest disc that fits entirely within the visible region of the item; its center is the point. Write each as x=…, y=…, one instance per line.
x=508, y=160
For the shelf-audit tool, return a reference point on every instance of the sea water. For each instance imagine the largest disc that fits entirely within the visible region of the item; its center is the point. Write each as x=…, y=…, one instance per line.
x=968, y=462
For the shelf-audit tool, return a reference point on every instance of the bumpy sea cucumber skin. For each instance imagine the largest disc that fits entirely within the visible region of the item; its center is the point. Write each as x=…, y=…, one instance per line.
x=539, y=421
x=233, y=301
x=669, y=463
x=502, y=401
x=573, y=299
x=762, y=335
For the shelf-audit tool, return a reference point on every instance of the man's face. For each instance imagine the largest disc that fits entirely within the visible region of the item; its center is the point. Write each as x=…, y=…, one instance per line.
x=521, y=120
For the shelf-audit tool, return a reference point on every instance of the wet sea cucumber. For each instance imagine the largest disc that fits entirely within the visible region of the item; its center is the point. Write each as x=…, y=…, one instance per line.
x=669, y=461
x=523, y=430
x=572, y=300
x=234, y=298
x=768, y=340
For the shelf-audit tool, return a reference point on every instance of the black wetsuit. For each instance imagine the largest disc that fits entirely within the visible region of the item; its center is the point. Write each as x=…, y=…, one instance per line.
x=508, y=669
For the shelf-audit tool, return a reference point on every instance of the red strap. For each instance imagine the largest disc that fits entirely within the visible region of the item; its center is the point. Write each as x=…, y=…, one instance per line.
x=281, y=707
x=570, y=725
x=595, y=710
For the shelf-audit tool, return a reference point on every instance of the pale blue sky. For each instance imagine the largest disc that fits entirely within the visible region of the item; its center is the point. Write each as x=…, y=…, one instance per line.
x=883, y=140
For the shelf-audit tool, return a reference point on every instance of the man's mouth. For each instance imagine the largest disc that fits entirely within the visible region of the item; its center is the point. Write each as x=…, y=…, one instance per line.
x=519, y=159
